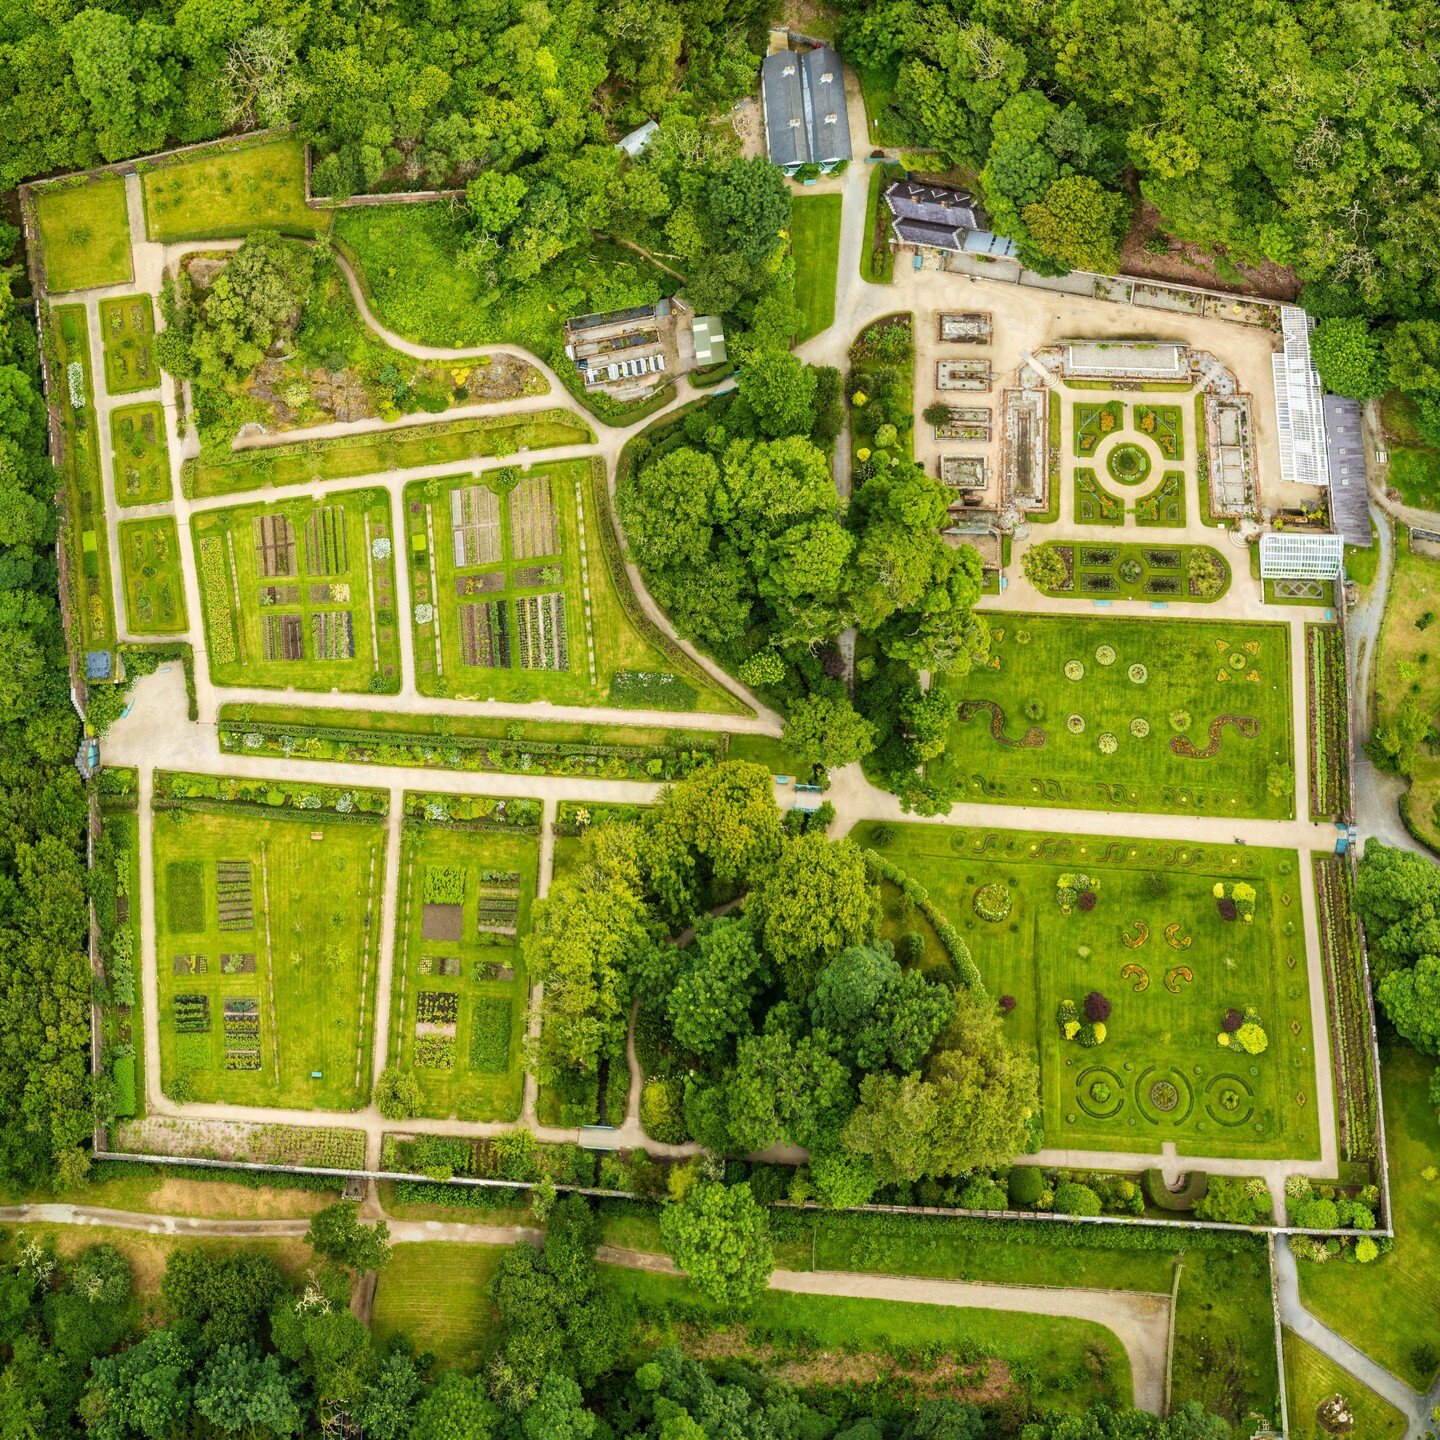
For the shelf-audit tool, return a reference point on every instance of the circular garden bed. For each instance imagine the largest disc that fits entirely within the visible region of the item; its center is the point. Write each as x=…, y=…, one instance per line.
x=1128, y=464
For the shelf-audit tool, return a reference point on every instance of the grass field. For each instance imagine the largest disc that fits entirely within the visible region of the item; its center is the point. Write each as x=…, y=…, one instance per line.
x=1311, y=1378
x=302, y=914
x=1188, y=680
x=434, y=1294
x=79, y=466
x=295, y=594
x=1220, y=1101
x=505, y=570
x=85, y=232
x=1069, y=1364
x=1416, y=475
x=1391, y=1307
x=128, y=335
x=150, y=569
x=475, y=1069
x=216, y=193
x=141, y=461
x=1408, y=664
x=815, y=243
x=229, y=472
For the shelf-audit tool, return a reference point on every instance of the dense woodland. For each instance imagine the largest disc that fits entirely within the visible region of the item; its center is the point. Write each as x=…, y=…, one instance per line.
x=45, y=1089
x=233, y=1347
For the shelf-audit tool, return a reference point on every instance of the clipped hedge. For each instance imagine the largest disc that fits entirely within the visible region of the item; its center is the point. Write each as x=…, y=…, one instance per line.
x=945, y=932
x=1197, y=1183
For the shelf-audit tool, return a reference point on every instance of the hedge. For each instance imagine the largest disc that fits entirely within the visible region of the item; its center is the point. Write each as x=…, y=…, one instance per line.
x=103, y=1170
x=945, y=932
x=474, y=1197
x=1197, y=1183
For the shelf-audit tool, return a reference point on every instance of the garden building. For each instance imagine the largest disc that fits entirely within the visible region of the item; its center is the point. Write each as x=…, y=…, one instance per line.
x=1299, y=411
x=806, y=120
x=709, y=337
x=1127, y=359
x=941, y=217
x=1301, y=555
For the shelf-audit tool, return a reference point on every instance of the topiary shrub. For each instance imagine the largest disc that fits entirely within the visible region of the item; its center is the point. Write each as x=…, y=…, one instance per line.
x=1025, y=1186
x=1072, y=1198
x=1097, y=1006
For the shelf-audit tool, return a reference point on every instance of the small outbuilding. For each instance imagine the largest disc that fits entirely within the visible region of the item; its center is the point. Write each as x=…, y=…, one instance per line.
x=709, y=340
x=633, y=143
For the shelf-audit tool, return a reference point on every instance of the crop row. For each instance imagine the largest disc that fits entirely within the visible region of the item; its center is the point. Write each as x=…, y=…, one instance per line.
x=214, y=575
x=1350, y=1038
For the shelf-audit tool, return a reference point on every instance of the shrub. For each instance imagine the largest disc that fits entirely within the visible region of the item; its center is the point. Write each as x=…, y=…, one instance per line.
x=1072, y=1198
x=1366, y=1250
x=1025, y=1186
x=1232, y=1022
x=660, y=1110
x=397, y=1094
x=1097, y=1007
x=1086, y=900
x=1236, y=1202
x=1251, y=1038
x=1007, y=1003
x=993, y=902
x=1043, y=567
x=841, y=1180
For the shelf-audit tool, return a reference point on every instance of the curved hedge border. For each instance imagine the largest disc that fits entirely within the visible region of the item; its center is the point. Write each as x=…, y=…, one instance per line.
x=946, y=933
x=1197, y=1186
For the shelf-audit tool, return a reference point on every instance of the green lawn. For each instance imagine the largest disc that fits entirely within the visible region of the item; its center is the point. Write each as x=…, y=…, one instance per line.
x=1311, y=1378
x=815, y=243
x=85, y=234
x=231, y=190
x=150, y=568
x=301, y=894
x=79, y=466
x=1416, y=475
x=228, y=472
x=435, y=1295
x=1188, y=682
x=295, y=594
x=1068, y=1364
x=128, y=335
x=1221, y=1102
x=1362, y=562
x=509, y=620
x=1391, y=1307
x=139, y=454
x=1406, y=665
x=479, y=1073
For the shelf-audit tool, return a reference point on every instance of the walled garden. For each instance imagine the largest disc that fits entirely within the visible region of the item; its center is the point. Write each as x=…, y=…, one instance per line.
x=85, y=233
x=301, y=594
x=1163, y=986
x=1119, y=714
x=266, y=955
x=139, y=455
x=150, y=569
x=459, y=1004
x=230, y=190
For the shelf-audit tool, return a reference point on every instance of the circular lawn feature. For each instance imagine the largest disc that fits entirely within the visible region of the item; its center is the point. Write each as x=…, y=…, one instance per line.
x=1128, y=464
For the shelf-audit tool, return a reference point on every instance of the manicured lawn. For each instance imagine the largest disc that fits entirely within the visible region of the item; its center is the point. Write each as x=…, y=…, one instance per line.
x=228, y=191
x=150, y=567
x=141, y=461
x=455, y=441
x=1408, y=664
x=1069, y=1364
x=1362, y=562
x=815, y=243
x=301, y=898
x=1416, y=475
x=1189, y=682
x=295, y=594
x=128, y=335
x=85, y=233
x=501, y=570
x=475, y=1069
x=79, y=466
x=434, y=1294
x=1391, y=1307
x=769, y=751
x=1312, y=1378
x=1220, y=1101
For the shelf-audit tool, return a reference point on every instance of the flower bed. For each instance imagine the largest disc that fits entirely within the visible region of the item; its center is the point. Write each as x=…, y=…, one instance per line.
x=1133, y=571
x=179, y=790
x=472, y=812
x=1350, y=1035
x=1329, y=723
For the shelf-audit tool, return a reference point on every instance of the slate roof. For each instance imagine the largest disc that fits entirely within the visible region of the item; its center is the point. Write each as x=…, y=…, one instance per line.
x=923, y=232
x=942, y=205
x=806, y=119
x=1345, y=450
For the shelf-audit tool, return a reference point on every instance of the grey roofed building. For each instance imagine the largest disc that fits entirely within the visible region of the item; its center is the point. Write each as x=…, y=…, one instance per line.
x=926, y=232
x=806, y=120
x=633, y=143
x=944, y=206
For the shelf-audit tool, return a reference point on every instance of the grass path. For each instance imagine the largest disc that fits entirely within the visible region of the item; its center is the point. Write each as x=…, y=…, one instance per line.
x=815, y=242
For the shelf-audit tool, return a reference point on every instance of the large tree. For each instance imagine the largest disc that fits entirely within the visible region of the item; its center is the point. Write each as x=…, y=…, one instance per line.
x=718, y=1236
